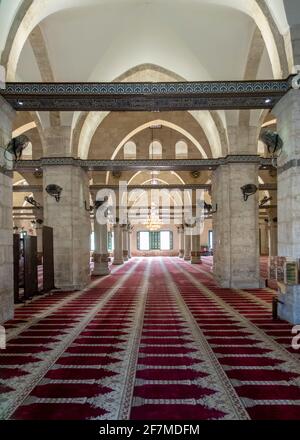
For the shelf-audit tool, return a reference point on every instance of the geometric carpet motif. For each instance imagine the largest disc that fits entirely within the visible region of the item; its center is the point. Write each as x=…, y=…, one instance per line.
x=155, y=339
x=254, y=350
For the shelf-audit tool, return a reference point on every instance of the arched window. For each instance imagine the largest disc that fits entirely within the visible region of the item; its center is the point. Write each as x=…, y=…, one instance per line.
x=129, y=150
x=181, y=150
x=155, y=150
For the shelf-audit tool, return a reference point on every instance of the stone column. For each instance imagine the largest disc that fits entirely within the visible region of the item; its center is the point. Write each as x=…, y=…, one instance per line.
x=181, y=241
x=6, y=224
x=125, y=242
x=288, y=125
x=129, y=242
x=236, y=227
x=196, y=249
x=187, y=244
x=273, y=233
x=38, y=196
x=264, y=237
x=118, y=241
x=101, y=266
x=69, y=219
x=71, y=226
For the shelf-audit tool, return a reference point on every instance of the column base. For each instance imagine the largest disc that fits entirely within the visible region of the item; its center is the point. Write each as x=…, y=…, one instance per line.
x=101, y=269
x=181, y=254
x=196, y=258
x=6, y=306
x=125, y=255
x=187, y=258
x=69, y=287
x=118, y=261
x=290, y=309
x=243, y=285
x=101, y=264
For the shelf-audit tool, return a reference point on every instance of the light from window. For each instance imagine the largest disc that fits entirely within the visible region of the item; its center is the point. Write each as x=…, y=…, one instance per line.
x=165, y=242
x=92, y=241
x=129, y=150
x=210, y=239
x=144, y=241
x=181, y=150
x=155, y=150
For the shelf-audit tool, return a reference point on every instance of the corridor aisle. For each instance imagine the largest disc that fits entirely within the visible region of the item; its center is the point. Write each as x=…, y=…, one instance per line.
x=156, y=339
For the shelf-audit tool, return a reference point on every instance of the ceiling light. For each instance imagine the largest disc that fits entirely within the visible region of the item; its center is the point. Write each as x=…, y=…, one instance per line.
x=268, y=100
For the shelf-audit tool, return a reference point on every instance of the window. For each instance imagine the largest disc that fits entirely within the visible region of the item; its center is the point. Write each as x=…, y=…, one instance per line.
x=110, y=241
x=144, y=241
x=129, y=150
x=165, y=242
x=181, y=150
x=92, y=241
x=155, y=240
x=155, y=150
x=210, y=239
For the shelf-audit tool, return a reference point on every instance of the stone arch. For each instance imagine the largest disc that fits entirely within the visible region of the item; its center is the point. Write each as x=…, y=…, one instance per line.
x=87, y=123
x=32, y=12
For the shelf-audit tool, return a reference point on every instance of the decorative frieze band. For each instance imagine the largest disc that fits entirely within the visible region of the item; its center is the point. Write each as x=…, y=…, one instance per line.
x=146, y=96
x=148, y=164
x=294, y=163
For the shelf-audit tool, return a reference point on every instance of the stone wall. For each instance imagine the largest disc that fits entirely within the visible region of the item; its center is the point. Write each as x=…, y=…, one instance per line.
x=6, y=232
x=71, y=224
x=236, y=228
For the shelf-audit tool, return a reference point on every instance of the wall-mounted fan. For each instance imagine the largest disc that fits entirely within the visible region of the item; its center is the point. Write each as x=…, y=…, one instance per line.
x=14, y=149
x=273, y=142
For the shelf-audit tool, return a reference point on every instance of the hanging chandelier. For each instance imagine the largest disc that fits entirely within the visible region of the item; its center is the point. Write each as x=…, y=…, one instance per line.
x=153, y=223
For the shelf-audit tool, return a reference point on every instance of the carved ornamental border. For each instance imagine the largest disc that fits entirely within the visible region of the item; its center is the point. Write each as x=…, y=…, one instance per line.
x=203, y=95
x=148, y=164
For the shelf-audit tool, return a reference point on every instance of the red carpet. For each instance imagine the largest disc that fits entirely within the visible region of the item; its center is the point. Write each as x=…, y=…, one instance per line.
x=258, y=362
x=157, y=339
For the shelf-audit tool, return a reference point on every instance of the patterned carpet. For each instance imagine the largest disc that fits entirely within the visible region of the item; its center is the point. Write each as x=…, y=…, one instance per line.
x=156, y=339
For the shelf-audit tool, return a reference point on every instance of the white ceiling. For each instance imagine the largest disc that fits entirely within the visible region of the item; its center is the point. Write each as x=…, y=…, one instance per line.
x=195, y=39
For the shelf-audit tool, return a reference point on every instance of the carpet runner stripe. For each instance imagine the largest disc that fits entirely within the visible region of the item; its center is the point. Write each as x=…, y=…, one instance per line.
x=157, y=339
x=91, y=300
x=243, y=368
x=178, y=376
x=111, y=364
x=40, y=307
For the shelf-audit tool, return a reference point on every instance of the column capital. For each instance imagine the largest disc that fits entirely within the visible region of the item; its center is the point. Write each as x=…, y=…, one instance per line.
x=57, y=141
x=291, y=98
x=6, y=110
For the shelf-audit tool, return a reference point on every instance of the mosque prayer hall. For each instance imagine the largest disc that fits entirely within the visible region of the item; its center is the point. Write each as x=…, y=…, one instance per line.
x=149, y=210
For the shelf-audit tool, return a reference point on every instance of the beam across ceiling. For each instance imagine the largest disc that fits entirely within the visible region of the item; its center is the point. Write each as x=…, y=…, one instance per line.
x=167, y=96
x=93, y=188
x=144, y=165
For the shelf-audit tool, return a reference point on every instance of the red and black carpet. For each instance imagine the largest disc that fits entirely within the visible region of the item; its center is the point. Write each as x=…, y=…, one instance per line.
x=156, y=339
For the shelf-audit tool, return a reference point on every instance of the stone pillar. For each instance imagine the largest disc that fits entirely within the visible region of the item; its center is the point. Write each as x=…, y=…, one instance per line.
x=129, y=243
x=71, y=225
x=125, y=242
x=264, y=237
x=187, y=244
x=181, y=241
x=196, y=249
x=101, y=266
x=287, y=112
x=118, y=240
x=273, y=233
x=6, y=223
x=236, y=227
x=38, y=196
